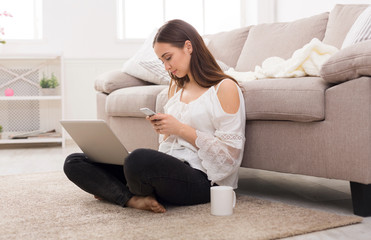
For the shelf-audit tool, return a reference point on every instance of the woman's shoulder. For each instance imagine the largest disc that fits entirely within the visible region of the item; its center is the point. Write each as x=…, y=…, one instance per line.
x=227, y=85
x=228, y=95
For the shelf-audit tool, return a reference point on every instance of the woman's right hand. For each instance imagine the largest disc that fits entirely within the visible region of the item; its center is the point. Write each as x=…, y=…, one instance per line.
x=165, y=124
x=156, y=126
x=168, y=125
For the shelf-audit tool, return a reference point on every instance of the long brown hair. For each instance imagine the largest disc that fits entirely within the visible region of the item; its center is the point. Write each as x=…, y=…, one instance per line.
x=203, y=66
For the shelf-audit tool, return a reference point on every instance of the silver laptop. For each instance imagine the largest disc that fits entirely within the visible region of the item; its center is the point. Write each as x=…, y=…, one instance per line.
x=96, y=139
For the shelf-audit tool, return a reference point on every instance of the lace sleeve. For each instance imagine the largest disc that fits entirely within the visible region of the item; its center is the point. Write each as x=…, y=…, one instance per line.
x=220, y=153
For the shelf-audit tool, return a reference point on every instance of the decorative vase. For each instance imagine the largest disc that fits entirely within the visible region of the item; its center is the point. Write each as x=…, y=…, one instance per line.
x=9, y=92
x=49, y=91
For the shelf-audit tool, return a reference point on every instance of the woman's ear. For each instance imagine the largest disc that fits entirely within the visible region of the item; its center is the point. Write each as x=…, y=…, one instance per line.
x=188, y=46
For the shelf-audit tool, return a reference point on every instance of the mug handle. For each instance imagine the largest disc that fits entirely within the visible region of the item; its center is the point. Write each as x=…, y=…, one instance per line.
x=234, y=199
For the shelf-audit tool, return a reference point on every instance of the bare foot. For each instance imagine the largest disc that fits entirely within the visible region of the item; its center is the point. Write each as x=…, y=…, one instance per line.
x=148, y=203
x=99, y=198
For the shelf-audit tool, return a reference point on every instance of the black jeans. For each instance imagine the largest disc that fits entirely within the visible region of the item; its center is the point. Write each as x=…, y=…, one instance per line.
x=145, y=172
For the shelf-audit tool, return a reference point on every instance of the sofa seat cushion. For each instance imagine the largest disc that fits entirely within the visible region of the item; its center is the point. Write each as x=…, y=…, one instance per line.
x=290, y=99
x=126, y=102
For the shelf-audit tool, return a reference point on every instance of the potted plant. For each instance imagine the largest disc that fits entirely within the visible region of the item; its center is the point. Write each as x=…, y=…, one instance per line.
x=49, y=85
x=1, y=130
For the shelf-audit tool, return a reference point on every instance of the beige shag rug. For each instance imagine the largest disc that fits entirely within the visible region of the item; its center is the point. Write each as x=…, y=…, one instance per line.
x=48, y=206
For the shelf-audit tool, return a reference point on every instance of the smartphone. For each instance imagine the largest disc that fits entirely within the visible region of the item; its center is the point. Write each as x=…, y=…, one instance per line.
x=147, y=111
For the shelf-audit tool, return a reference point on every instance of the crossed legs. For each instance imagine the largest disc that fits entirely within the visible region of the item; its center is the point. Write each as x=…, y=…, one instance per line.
x=148, y=179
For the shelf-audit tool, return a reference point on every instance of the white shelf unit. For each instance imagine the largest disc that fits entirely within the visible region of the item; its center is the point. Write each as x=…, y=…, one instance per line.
x=28, y=110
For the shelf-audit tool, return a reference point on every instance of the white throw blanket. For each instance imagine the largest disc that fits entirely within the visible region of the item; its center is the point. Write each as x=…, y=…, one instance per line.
x=306, y=61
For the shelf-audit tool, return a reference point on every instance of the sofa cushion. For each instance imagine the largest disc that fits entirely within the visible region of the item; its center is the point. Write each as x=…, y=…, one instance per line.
x=361, y=29
x=227, y=46
x=115, y=79
x=161, y=100
x=279, y=40
x=145, y=64
x=291, y=99
x=340, y=21
x=350, y=63
x=128, y=101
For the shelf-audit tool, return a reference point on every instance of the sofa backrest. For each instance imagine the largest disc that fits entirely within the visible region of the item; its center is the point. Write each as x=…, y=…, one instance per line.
x=279, y=39
x=227, y=46
x=244, y=48
x=340, y=21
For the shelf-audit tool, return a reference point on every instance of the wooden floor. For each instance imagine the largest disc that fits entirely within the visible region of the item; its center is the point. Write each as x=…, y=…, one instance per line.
x=317, y=193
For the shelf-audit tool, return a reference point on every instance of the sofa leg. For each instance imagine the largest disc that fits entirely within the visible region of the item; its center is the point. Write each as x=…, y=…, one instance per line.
x=361, y=198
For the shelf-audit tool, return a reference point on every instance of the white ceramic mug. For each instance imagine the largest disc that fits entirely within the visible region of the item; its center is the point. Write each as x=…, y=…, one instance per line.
x=223, y=200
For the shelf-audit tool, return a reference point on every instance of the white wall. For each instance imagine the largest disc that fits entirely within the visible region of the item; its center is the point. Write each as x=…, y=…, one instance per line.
x=80, y=96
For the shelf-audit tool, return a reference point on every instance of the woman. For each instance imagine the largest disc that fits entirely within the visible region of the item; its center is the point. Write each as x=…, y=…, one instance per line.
x=202, y=132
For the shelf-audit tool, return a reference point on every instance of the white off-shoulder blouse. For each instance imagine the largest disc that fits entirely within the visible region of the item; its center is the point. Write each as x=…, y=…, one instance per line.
x=220, y=136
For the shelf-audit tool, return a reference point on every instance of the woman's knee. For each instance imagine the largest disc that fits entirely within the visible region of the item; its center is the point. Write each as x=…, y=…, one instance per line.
x=72, y=161
x=138, y=161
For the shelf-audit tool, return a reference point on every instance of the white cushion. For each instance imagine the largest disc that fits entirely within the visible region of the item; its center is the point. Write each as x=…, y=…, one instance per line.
x=145, y=64
x=157, y=68
x=360, y=30
x=222, y=65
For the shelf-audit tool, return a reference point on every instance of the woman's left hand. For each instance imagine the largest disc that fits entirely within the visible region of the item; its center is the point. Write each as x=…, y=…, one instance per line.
x=165, y=124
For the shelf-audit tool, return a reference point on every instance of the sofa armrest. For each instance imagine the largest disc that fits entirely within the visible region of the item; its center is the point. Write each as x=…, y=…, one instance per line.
x=116, y=79
x=349, y=63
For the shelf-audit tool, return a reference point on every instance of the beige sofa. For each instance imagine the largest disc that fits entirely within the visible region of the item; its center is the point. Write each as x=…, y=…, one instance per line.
x=316, y=126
